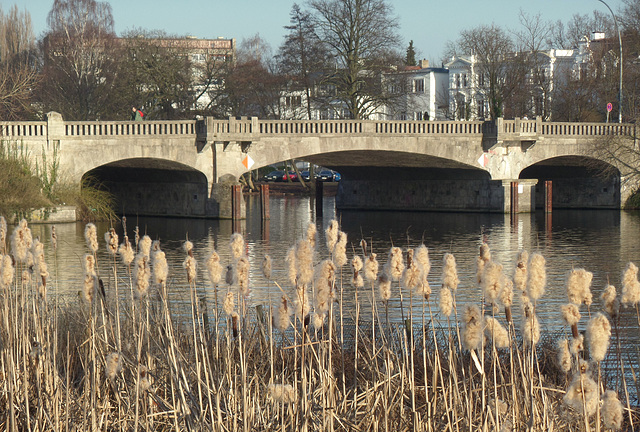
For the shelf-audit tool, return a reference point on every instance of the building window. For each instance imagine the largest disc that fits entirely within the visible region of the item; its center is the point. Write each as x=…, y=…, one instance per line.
x=457, y=80
x=418, y=86
x=464, y=81
x=293, y=101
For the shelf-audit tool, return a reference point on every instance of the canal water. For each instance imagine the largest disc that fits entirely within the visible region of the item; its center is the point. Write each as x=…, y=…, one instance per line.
x=601, y=241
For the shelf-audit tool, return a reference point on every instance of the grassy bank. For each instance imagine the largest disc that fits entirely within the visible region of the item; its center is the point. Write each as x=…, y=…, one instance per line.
x=120, y=357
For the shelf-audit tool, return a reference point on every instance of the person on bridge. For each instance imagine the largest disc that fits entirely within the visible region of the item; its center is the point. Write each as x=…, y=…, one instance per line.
x=136, y=114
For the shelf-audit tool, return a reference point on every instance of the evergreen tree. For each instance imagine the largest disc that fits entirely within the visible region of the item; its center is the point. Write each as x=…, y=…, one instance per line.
x=411, y=55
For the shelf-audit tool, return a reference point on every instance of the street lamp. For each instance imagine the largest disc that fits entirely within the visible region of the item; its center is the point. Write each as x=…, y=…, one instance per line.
x=615, y=21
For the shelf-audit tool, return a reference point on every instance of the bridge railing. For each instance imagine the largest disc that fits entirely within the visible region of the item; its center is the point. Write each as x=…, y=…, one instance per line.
x=128, y=128
x=428, y=127
x=23, y=129
x=538, y=127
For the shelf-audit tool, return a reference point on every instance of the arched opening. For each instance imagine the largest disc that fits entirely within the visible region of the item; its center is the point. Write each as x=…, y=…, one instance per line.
x=153, y=187
x=577, y=182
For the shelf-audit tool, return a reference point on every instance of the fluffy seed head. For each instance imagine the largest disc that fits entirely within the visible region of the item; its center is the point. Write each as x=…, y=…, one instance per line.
x=7, y=271
x=283, y=314
x=564, y=355
x=242, y=272
x=282, y=393
x=312, y=234
x=472, y=333
x=630, y=285
x=214, y=268
x=304, y=262
x=145, y=245
x=236, y=245
x=111, y=238
x=492, y=281
x=579, y=286
x=598, y=336
x=582, y=394
x=356, y=266
x=91, y=237
x=113, y=365
x=371, y=267
x=576, y=345
x=537, y=277
x=384, y=287
x=228, y=305
x=141, y=274
x=190, y=265
x=530, y=324
x=292, y=269
x=446, y=301
x=610, y=301
x=612, y=414
x=160, y=267
x=422, y=257
x=340, y=250
x=570, y=313
x=395, y=265
x=450, y=273
x=496, y=332
x=126, y=252
x=520, y=272
x=332, y=234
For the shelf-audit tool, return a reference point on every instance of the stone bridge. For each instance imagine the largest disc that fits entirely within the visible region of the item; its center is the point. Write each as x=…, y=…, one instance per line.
x=185, y=168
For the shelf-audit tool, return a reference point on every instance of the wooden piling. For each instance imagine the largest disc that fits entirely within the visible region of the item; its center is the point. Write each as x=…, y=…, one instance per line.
x=236, y=202
x=548, y=196
x=264, y=202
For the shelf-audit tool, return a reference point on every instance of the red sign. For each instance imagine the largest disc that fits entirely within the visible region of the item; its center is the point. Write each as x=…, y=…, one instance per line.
x=609, y=107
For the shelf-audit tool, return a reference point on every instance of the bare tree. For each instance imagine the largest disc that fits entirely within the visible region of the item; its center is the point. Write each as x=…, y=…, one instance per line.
x=363, y=41
x=156, y=74
x=79, y=62
x=18, y=72
x=499, y=72
x=303, y=57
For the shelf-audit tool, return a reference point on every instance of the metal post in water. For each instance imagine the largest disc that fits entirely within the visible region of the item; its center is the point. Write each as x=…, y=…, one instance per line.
x=514, y=197
x=264, y=202
x=319, y=196
x=548, y=196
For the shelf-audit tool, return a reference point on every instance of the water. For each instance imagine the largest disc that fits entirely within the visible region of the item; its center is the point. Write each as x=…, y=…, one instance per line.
x=601, y=241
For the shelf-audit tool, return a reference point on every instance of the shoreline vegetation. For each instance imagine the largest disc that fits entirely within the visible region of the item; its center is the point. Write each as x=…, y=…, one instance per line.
x=120, y=357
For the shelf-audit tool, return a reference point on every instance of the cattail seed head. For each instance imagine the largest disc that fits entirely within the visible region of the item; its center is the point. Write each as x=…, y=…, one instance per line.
x=145, y=245
x=564, y=355
x=282, y=393
x=612, y=413
x=160, y=267
x=520, y=272
x=126, y=252
x=421, y=255
x=91, y=237
x=7, y=271
x=111, y=238
x=214, y=268
x=473, y=326
x=484, y=256
x=304, y=262
x=228, y=305
x=610, y=301
x=537, y=277
x=570, y=313
x=450, y=272
x=384, y=287
x=332, y=234
x=576, y=345
x=582, y=394
x=54, y=239
x=497, y=332
x=312, y=234
x=492, y=281
x=530, y=324
x=3, y=234
x=630, y=286
x=236, y=244
x=579, y=286
x=598, y=336
x=282, y=318
x=292, y=269
x=395, y=265
x=113, y=365
x=242, y=273
x=356, y=266
x=340, y=250
x=317, y=320
x=21, y=242
x=371, y=267
x=141, y=274
x=190, y=265
x=301, y=303
x=446, y=301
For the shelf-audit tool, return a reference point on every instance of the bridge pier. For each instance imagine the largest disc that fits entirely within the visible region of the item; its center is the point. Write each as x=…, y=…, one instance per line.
x=221, y=203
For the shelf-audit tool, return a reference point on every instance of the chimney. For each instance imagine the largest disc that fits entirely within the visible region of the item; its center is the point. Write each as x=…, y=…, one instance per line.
x=423, y=64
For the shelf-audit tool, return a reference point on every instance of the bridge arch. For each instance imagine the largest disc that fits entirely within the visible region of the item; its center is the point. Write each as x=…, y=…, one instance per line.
x=153, y=186
x=577, y=181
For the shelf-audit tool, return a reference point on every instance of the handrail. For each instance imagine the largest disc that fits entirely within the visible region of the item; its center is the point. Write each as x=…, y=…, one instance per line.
x=251, y=128
x=23, y=129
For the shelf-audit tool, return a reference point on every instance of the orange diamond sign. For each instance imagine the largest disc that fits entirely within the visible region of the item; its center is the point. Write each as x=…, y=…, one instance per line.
x=247, y=162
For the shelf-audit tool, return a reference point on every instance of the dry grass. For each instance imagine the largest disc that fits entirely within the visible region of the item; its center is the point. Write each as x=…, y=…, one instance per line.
x=124, y=362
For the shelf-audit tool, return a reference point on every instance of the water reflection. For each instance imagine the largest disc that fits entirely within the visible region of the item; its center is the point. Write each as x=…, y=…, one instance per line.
x=600, y=241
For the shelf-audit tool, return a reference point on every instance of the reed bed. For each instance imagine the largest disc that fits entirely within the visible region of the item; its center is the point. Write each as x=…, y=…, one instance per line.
x=119, y=357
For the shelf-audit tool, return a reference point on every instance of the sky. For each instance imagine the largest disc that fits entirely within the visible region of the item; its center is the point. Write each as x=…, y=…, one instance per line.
x=429, y=23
